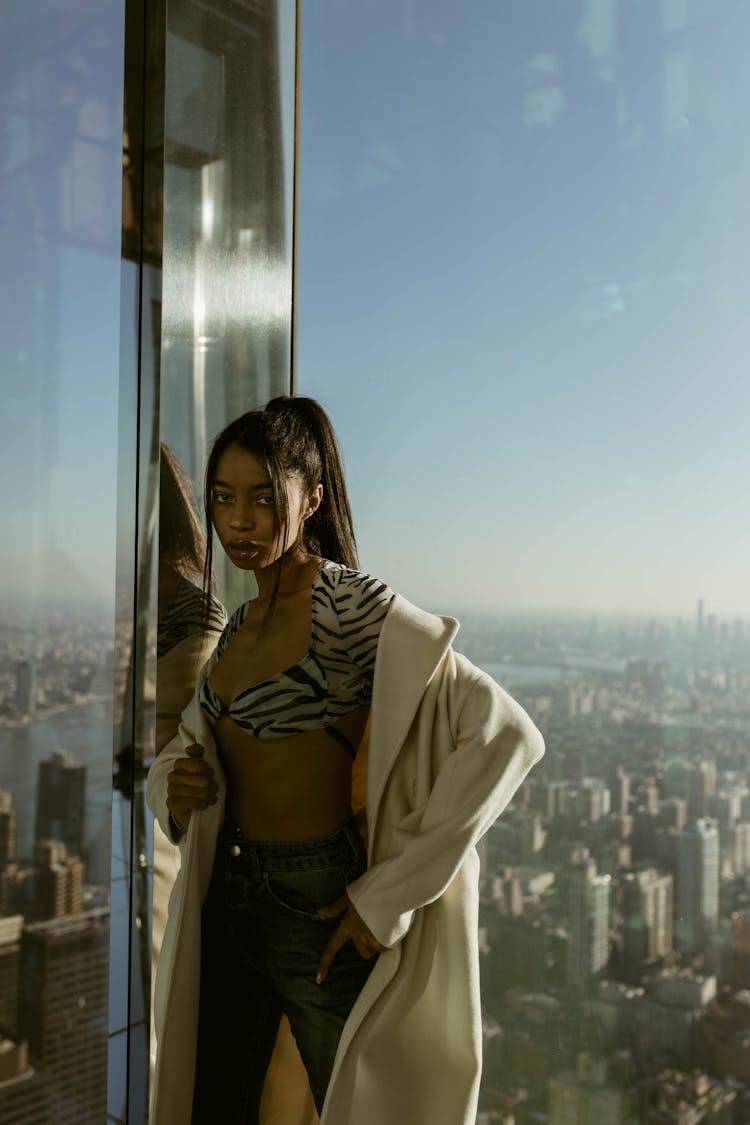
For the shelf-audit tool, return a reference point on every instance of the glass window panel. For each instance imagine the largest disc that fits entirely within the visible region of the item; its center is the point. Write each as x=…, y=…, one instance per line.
x=225, y=314
x=60, y=221
x=523, y=276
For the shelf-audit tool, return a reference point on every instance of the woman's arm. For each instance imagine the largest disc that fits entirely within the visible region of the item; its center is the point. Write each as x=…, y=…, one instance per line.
x=496, y=746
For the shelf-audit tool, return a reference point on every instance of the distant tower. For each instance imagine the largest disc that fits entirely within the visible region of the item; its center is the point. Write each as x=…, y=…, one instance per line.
x=699, y=617
x=620, y=788
x=59, y=889
x=7, y=829
x=697, y=911
x=702, y=789
x=647, y=906
x=61, y=802
x=588, y=923
x=740, y=930
x=26, y=687
x=64, y=979
x=10, y=952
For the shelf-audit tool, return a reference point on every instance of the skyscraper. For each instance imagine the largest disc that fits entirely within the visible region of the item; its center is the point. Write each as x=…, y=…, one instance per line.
x=697, y=885
x=647, y=905
x=26, y=687
x=7, y=828
x=588, y=923
x=64, y=978
x=61, y=802
x=59, y=889
x=702, y=789
x=24, y=1094
x=10, y=952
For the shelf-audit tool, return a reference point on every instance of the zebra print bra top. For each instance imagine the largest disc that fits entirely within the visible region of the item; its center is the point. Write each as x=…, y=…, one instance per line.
x=187, y=613
x=335, y=674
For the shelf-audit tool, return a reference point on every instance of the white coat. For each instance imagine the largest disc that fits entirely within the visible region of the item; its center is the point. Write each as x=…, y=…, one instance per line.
x=448, y=749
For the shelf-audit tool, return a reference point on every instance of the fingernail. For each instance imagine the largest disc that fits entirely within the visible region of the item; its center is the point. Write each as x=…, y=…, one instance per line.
x=319, y=978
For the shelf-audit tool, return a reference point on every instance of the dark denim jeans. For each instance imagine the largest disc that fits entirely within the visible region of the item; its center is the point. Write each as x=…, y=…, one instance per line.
x=262, y=941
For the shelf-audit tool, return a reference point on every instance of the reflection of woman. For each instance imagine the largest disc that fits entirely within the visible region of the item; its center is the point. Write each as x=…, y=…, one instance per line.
x=188, y=628
x=188, y=620
x=373, y=958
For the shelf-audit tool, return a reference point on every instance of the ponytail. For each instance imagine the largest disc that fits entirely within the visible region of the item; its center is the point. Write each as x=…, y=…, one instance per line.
x=305, y=442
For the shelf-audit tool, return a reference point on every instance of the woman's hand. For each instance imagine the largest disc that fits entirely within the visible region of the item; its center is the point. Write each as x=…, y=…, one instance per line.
x=350, y=926
x=190, y=785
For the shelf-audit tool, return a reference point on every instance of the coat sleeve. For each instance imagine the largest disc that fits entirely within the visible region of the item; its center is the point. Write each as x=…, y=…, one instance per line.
x=188, y=732
x=496, y=744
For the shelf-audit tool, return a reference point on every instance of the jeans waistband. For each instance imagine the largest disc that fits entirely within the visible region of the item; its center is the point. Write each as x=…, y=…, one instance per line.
x=290, y=855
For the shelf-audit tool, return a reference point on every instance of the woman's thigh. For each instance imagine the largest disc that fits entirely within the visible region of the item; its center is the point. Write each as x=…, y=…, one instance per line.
x=291, y=940
x=238, y=1021
x=267, y=950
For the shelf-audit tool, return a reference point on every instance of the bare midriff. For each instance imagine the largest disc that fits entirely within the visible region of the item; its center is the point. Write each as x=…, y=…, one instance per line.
x=292, y=788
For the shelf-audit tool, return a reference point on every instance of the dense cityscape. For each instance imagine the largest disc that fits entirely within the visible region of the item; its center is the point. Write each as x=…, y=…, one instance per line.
x=615, y=908
x=615, y=927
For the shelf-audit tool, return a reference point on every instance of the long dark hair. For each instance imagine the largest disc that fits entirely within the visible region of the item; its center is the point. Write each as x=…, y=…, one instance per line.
x=182, y=544
x=292, y=436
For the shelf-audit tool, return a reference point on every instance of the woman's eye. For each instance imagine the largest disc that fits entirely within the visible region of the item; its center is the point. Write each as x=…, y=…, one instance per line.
x=222, y=498
x=265, y=501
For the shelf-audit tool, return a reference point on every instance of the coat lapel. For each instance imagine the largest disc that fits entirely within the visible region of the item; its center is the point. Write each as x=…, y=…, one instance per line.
x=412, y=644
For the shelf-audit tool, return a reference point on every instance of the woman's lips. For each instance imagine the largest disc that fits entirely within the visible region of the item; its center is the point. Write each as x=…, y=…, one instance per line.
x=244, y=550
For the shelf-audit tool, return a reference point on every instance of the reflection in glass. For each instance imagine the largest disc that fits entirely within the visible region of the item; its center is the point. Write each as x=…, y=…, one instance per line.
x=227, y=241
x=61, y=123
x=225, y=332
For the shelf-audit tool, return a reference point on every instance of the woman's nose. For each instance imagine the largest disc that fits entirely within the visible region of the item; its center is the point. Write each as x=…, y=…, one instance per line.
x=242, y=516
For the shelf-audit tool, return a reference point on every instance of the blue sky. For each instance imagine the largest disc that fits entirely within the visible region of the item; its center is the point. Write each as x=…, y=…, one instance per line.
x=524, y=249
x=523, y=275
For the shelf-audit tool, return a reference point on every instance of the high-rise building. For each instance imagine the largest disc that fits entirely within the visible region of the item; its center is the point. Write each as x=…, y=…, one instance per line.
x=592, y=800
x=59, y=889
x=25, y=1095
x=620, y=789
x=64, y=978
x=740, y=930
x=7, y=828
x=647, y=907
x=673, y=813
x=702, y=789
x=10, y=953
x=739, y=847
x=26, y=687
x=588, y=924
x=589, y=1097
x=61, y=802
x=697, y=910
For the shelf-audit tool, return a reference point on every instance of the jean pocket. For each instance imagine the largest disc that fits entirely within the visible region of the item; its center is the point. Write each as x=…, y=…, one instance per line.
x=303, y=893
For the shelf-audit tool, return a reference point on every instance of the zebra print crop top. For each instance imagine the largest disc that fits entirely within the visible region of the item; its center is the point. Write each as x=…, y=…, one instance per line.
x=187, y=613
x=335, y=674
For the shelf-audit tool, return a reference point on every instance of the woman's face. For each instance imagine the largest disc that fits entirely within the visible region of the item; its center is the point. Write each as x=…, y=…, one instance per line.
x=243, y=510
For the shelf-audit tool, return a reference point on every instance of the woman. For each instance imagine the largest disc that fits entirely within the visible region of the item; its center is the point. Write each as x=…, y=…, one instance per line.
x=373, y=957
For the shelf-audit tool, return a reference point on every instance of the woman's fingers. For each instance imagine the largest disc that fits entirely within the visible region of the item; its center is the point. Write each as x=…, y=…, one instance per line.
x=335, y=908
x=191, y=784
x=351, y=927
